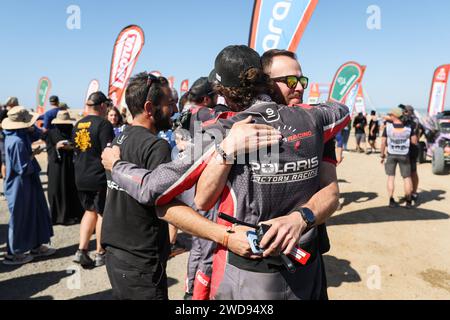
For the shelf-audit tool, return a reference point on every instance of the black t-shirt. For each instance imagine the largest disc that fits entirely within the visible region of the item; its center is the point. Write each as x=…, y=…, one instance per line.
x=90, y=136
x=376, y=128
x=132, y=231
x=362, y=122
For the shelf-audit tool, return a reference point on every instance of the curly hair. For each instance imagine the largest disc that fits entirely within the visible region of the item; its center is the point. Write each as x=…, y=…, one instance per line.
x=253, y=82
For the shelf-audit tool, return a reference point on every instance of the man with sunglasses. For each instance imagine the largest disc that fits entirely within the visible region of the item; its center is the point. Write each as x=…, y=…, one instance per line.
x=253, y=191
x=290, y=83
x=136, y=241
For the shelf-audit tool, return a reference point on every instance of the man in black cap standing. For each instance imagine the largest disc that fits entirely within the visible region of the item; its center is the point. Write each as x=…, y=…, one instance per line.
x=50, y=114
x=90, y=136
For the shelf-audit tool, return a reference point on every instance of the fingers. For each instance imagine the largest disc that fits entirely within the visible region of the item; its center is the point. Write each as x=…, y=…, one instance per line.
x=277, y=245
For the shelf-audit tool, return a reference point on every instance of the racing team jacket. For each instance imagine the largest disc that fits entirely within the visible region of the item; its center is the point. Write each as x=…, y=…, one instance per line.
x=260, y=187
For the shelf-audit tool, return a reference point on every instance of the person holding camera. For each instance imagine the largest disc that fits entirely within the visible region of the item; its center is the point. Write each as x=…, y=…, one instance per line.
x=65, y=207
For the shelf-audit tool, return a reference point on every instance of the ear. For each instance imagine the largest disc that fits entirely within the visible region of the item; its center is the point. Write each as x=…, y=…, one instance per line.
x=148, y=107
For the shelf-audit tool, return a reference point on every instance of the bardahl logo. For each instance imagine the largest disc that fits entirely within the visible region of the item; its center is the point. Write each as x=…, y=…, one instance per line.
x=125, y=60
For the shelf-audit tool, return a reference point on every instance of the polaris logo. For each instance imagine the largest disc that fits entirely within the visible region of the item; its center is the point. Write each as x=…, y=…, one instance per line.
x=289, y=167
x=280, y=12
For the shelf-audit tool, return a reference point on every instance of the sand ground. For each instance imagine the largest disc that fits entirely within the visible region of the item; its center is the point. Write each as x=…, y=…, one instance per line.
x=377, y=252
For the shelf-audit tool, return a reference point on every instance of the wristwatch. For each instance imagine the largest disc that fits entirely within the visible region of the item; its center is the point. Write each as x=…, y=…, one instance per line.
x=308, y=216
x=222, y=155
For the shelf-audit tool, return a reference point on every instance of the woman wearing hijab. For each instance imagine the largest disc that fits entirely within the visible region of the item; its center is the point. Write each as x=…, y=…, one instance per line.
x=65, y=206
x=30, y=227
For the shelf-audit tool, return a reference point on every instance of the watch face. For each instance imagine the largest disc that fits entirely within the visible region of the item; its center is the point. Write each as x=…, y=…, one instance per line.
x=309, y=216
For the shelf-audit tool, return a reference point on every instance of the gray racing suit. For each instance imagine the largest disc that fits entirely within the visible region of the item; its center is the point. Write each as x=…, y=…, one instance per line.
x=262, y=187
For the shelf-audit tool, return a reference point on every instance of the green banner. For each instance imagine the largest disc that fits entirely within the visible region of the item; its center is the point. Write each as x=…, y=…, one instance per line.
x=345, y=79
x=43, y=90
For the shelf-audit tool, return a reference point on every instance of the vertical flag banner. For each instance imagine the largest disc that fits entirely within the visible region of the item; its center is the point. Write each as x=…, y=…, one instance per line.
x=346, y=77
x=351, y=98
x=184, y=87
x=360, y=103
x=94, y=86
x=127, y=49
x=314, y=94
x=438, y=90
x=278, y=24
x=43, y=91
x=171, y=81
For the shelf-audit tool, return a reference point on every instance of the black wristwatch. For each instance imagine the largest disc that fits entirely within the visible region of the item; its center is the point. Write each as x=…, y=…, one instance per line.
x=227, y=158
x=308, y=216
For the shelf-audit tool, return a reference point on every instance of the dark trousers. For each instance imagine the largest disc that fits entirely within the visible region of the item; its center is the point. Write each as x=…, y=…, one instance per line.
x=129, y=283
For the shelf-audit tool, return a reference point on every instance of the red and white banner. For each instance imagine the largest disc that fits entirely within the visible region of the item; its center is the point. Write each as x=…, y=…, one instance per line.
x=360, y=102
x=184, y=87
x=438, y=90
x=94, y=86
x=127, y=49
x=171, y=81
x=314, y=94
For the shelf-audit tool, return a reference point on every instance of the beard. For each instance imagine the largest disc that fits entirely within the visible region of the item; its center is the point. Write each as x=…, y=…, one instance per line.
x=162, y=121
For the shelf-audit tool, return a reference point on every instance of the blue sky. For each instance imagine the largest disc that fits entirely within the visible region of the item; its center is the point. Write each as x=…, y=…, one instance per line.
x=184, y=36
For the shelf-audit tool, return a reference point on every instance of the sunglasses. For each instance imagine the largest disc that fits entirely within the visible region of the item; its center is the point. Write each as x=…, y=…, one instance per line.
x=150, y=81
x=292, y=81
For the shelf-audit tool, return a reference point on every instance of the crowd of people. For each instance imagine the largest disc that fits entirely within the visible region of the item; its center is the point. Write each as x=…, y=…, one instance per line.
x=239, y=145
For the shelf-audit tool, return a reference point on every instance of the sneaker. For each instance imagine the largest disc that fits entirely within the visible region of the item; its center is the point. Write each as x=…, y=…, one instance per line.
x=100, y=259
x=82, y=258
x=43, y=251
x=415, y=198
x=392, y=203
x=408, y=204
x=17, y=259
x=176, y=249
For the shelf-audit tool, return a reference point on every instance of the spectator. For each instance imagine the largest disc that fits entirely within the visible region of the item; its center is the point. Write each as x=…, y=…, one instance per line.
x=65, y=207
x=30, y=227
x=360, y=124
x=115, y=117
x=374, y=129
x=90, y=136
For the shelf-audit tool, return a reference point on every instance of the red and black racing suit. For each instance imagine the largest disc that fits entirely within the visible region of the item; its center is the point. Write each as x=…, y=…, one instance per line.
x=258, y=190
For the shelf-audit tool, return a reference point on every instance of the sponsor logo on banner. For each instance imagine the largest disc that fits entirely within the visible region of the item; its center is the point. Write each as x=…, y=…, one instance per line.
x=347, y=76
x=127, y=49
x=438, y=90
x=279, y=24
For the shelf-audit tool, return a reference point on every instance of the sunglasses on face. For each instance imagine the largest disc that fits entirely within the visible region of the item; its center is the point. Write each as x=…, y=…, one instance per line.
x=292, y=81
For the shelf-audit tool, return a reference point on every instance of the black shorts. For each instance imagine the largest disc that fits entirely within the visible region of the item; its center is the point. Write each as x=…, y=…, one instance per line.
x=130, y=283
x=403, y=162
x=93, y=200
x=372, y=138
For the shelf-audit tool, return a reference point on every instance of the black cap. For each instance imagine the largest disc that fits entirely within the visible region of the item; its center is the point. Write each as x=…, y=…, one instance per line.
x=232, y=61
x=97, y=98
x=54, y=99
x=201, y=87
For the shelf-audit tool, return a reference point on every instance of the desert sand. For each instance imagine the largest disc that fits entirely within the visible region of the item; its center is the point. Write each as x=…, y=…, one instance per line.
x=376, y=252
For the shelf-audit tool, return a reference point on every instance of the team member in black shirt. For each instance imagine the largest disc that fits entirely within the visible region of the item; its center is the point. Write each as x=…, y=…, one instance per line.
x=136, y=240
x=90, y=136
